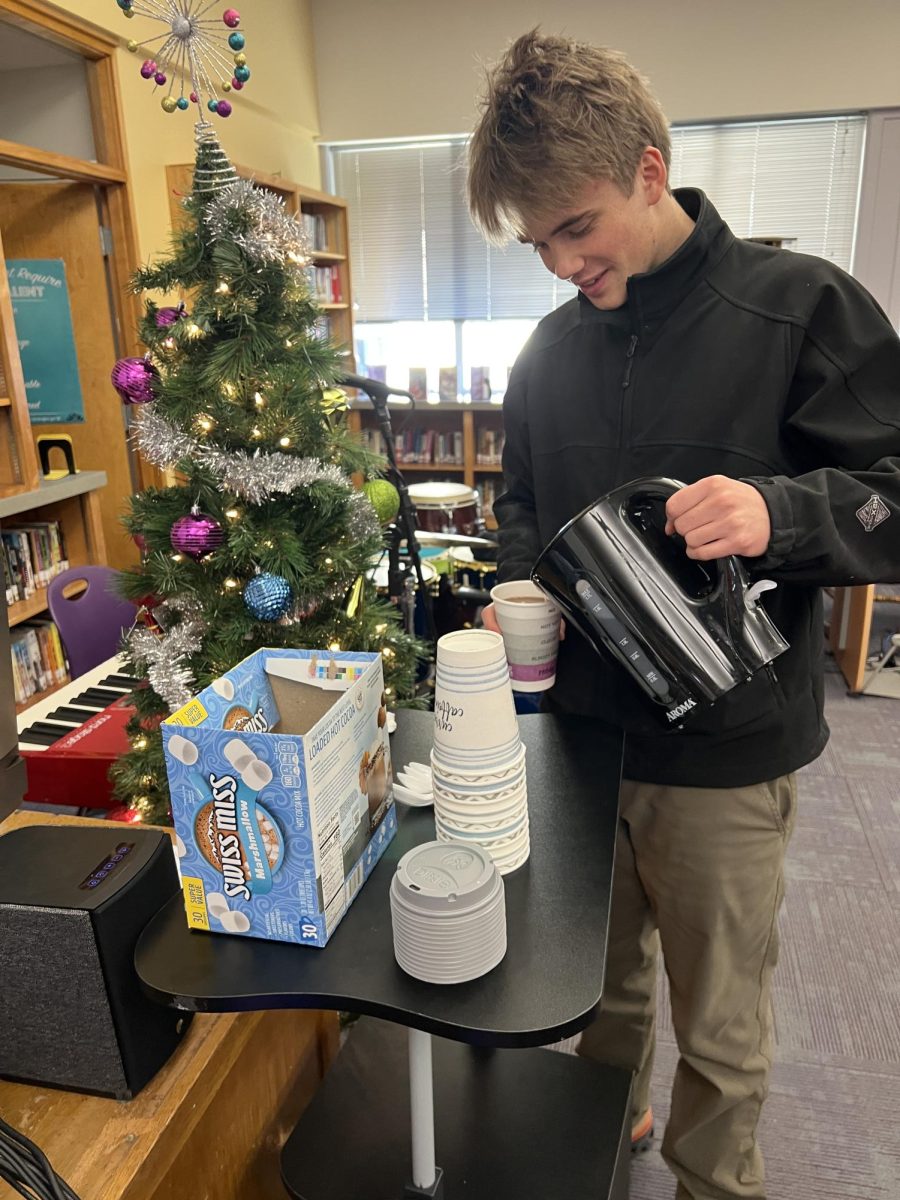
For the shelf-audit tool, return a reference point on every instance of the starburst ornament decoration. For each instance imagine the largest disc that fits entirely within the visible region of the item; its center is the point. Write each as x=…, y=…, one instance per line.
x=199, y=59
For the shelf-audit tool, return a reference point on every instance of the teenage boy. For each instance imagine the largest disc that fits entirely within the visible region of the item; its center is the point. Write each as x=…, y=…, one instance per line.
x=769, y=383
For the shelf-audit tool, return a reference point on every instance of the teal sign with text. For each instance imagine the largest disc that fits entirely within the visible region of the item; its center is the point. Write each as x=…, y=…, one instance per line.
x=40, y=303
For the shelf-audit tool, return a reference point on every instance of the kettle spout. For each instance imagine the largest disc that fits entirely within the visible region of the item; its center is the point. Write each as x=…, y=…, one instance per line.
x=756, y=590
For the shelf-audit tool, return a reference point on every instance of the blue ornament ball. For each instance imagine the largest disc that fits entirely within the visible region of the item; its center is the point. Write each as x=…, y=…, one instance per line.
x=236, y=41
x=212, y=105
x=242, y=74
x=268, y=597
x=183, y=102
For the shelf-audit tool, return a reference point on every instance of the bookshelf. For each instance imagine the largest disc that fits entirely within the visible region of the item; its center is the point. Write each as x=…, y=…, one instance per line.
x=73, y=501
x=480, y=430
x=326, y=220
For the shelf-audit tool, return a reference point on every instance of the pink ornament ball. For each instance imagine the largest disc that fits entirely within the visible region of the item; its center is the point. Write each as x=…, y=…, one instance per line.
x=160, y=78
x=231, y=17
x=135, y=380
x=196, y=534
x=223, y=108
x=236, y=84
x=195, y=99
x=148, y=68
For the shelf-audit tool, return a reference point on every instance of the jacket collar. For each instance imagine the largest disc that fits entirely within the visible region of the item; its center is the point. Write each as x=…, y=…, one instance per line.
x=655, y=294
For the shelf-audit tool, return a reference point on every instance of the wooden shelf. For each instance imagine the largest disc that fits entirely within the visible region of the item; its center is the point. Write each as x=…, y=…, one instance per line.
x=337, y=307
x=39, y=696
x=50, y=491
x=327, y=256
x=24, y=610
x=492, y=468
x=5, y=402
x=431, y=467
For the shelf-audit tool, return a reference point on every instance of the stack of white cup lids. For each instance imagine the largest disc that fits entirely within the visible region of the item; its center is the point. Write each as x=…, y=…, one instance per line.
x=448, y=912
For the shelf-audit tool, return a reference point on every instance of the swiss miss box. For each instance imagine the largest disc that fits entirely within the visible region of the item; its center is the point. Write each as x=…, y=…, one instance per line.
x=282, y=793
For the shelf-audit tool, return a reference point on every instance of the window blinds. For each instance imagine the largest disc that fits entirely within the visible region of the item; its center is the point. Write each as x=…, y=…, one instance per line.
x=416, y=256
x=797, y=180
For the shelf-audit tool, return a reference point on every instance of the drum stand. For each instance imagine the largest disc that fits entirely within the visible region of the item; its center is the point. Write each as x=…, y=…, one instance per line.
x=401, y=589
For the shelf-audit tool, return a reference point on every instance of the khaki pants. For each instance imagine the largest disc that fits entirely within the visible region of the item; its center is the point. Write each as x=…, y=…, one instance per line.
x=699, y=872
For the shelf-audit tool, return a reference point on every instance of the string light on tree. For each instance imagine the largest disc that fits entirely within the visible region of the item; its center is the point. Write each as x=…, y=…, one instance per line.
x=195, y=49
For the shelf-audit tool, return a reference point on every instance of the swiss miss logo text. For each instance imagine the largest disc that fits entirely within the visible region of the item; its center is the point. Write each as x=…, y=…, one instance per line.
x=224, y=790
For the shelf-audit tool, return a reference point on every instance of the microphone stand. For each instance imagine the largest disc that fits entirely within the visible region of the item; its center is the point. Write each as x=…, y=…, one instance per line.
x=405, y=524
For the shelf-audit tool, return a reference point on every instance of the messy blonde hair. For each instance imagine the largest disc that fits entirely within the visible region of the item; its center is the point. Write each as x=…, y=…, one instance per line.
x=557, y=114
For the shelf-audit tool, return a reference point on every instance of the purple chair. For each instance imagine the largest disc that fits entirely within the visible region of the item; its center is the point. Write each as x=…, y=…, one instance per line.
x=91, y=623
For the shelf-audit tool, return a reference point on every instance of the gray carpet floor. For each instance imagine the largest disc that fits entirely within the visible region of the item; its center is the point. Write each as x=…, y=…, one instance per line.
x=831, y=1127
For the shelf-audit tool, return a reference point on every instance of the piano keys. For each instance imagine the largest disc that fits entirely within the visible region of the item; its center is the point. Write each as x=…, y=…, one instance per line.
x=70, y=739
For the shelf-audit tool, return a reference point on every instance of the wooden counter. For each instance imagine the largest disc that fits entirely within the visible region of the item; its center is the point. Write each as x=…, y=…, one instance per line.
x=210, y=1125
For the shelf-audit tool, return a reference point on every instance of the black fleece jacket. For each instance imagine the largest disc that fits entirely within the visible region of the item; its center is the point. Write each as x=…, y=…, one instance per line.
x=728, y=359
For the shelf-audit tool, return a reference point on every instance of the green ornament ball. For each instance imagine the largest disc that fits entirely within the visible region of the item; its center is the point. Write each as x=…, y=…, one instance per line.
x=384, y=498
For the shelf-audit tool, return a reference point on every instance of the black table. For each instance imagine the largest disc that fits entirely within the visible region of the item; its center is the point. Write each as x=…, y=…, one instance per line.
x=524, y=1124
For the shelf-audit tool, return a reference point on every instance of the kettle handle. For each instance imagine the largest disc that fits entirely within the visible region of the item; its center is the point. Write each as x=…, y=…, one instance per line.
x=657, y=487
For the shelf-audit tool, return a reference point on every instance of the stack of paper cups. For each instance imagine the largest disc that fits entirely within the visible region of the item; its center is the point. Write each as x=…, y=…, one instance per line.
x=448, y=912
x=478, y=760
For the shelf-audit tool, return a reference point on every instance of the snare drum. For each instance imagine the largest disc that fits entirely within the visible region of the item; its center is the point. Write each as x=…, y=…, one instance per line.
x=447, y=508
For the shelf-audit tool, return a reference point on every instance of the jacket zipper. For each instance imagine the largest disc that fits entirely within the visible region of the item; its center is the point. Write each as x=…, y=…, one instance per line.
x=629, y=359
x=626, y=381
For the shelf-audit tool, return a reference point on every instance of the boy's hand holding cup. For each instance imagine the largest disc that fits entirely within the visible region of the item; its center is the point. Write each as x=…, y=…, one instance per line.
x=531, y=628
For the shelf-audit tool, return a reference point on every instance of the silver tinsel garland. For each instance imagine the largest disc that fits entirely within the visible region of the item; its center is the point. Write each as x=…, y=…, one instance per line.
x=257, y=221
x=162, y=658
x=254, y=477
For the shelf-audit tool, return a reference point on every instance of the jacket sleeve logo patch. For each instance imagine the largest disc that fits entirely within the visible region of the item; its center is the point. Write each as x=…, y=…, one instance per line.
x=872, y=513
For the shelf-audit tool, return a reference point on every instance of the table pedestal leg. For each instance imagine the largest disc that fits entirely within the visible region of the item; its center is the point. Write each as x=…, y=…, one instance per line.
x=507, y=1125
x=426, y=1177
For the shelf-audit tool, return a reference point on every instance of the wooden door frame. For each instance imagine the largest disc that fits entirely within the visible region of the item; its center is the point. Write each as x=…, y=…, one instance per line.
x=98, y=48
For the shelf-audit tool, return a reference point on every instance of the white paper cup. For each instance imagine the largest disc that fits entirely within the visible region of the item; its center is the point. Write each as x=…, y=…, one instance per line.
x=529, y=623
x=449, y=776
x=474, y=712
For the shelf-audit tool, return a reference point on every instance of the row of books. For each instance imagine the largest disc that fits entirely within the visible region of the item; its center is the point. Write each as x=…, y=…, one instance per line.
x=33, y=554
x=489, y=447
x=38, y=659
x=447, y=382
x=316, y=230
x=420, y=446
x=324, y=284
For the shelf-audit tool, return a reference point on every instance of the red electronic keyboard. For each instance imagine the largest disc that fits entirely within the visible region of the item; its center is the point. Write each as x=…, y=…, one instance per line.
x=69, y=740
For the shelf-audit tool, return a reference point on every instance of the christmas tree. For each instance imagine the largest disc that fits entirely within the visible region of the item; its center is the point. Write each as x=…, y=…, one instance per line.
x=263, y=539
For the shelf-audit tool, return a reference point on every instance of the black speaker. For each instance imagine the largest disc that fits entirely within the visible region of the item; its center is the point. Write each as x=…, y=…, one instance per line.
x=73, y=902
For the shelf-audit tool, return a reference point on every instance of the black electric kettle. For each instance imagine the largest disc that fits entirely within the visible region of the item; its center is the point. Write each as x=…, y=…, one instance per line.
x=686, y=631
